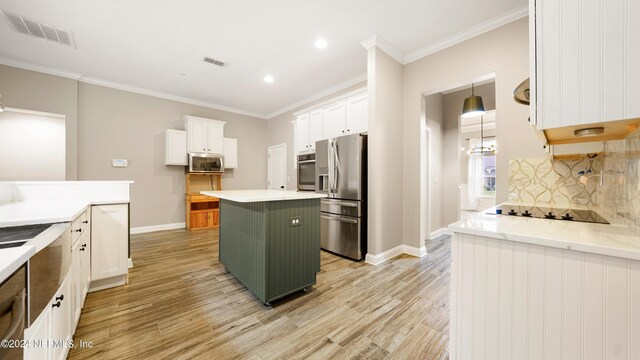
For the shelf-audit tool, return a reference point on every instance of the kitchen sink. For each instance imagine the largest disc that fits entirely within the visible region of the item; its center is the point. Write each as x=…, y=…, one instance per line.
x=15, y=233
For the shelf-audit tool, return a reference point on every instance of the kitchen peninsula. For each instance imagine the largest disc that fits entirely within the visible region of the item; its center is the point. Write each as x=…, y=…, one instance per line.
x=270, y=239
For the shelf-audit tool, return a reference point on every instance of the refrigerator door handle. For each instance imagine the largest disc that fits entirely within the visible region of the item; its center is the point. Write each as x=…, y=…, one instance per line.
x=339, y=218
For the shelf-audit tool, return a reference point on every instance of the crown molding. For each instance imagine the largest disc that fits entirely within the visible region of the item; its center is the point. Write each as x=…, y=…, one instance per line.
x=326, y=92
x=382, y=44
x=38, y=68
x=166, y=96
x=120, y=86
x=477, y=30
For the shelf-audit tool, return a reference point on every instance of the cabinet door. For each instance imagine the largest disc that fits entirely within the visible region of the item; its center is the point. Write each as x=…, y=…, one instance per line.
x=85, y=265
x=61, y=319
x=109, y=241
x=301, y=133
x=39, y=332
x=357, y=114
x=175, y=147
x=334, y=120
x=230, y=153
x=316, y=128
x=201, y=220
x=197, y=135
x=215, y=139
x=75, y=276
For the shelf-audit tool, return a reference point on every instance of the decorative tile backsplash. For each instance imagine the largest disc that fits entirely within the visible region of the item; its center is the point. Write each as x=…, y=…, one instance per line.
x=554, y=182
x=620, y=193
x=558, y=182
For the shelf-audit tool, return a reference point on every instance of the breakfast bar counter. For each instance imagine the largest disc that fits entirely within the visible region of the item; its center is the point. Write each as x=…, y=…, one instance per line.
x=270, y=239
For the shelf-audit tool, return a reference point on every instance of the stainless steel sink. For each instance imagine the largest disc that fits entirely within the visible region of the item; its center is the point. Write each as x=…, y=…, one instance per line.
x=18, y=235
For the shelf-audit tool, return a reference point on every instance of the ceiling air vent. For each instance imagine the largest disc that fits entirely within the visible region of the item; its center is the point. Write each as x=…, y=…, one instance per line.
x=26, y=26
x=214, y=61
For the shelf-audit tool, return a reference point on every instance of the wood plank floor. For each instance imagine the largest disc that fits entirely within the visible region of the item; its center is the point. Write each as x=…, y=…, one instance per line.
x=181, y=303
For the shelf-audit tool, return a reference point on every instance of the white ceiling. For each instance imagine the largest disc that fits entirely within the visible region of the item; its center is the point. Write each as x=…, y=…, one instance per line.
x=147, y=43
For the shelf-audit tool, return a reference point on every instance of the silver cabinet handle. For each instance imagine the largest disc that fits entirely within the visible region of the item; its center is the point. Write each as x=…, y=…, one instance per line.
x=339, y=218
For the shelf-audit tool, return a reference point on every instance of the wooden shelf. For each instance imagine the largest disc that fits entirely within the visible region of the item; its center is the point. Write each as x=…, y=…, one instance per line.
x=202, y=212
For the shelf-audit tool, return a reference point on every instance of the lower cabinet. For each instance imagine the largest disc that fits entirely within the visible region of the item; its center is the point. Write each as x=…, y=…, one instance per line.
x=50, y=335
x=110, y=243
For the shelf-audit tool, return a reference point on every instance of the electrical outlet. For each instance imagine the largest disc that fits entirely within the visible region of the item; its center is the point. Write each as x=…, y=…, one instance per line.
x=295, y=221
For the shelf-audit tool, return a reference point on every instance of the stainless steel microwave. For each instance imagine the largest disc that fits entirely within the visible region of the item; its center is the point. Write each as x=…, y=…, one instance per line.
x=206, y=163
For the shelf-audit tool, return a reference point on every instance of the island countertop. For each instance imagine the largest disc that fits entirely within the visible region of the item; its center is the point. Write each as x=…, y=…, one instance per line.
x=248, y=196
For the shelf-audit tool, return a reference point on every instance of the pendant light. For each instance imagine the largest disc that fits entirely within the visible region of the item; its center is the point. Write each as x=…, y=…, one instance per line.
x=472, y=105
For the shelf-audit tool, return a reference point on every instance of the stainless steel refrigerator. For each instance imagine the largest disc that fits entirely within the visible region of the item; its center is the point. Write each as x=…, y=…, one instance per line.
x=341, y=171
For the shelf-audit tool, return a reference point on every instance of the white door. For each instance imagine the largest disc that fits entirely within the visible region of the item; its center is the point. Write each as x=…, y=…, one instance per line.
x=197, y=133
x=315, y=128
x=334, y=120
x=302, y=133
x=277, y=167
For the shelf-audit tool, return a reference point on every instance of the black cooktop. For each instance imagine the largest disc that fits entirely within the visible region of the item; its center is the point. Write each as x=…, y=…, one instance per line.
x=549, y=213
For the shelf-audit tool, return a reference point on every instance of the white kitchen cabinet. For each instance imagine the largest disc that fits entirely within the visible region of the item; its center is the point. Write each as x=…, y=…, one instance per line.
x=585, y=55
x=61, y=318
x=230, y=153
x=175, y=147
x=316, y=128
x=109, y=242
x=357, y=118
x=334, y=117
x=39, y=332
x=204, y=135
x=301, y=133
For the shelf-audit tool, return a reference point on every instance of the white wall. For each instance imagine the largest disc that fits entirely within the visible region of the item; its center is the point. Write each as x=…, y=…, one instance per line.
x=32, y=146
x=504, y=52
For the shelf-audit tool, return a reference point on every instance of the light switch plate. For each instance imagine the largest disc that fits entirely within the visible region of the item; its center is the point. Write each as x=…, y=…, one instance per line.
x=119, y=163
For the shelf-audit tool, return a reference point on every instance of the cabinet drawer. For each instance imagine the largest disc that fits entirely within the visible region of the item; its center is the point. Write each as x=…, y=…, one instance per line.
x=202, y=198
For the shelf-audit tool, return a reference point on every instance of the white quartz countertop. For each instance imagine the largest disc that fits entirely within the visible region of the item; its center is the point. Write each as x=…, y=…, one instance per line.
x=11, y=259
x=31, y=212
x=246, y=196
x=603, y=239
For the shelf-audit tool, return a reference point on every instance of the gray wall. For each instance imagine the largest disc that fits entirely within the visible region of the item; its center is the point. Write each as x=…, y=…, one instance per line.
x=504, y=52
x=281, y=131
x=120, y=124
x=30, y=90
x=384, y=76
x=104, y=123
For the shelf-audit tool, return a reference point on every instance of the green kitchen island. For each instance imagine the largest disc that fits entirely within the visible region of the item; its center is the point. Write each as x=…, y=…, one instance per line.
x=270, y=239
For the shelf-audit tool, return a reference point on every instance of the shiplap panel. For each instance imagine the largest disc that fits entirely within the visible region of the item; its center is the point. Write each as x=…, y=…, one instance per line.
x=633, y=59
x=553, y=303
x=570, y=60
x=594, y=307
x=480, y=294
x=550, y=49
x=591, y=61
x=613, y=56
x=537, y=273
x=572, y=305
x=507, y=266
x=547, y=303
x=492, y=328
x=616, y=308
x=520, y=300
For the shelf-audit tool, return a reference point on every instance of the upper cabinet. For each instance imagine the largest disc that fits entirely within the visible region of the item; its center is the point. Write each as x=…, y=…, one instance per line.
x=341, y=116
x=204, y=135
x=175, y=147
x=230, y=153
x=584, y=61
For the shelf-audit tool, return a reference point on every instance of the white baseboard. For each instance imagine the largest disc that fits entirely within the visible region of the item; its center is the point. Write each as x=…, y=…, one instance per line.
x=378, y=259
x=439, y=232
x=152, y=228
x=414, y=251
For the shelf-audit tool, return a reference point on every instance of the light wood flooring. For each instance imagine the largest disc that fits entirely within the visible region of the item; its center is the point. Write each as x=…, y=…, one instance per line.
x=181, y=303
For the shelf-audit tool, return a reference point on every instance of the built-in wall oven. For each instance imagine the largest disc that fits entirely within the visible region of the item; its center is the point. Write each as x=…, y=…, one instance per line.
x=307, y=172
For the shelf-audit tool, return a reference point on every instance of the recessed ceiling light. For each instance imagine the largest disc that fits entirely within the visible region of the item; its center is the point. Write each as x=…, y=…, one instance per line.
x=321, y=43
x=268, y=79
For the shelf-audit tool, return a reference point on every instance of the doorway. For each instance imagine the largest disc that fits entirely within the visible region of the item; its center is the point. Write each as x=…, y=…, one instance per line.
x=277, y=167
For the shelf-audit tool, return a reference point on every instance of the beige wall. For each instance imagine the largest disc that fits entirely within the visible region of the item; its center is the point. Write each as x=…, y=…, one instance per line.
x=281, y=131
x=433, y=109
x=503, y=51
x=120, y=124
x=384, y=76
x=30, y=90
